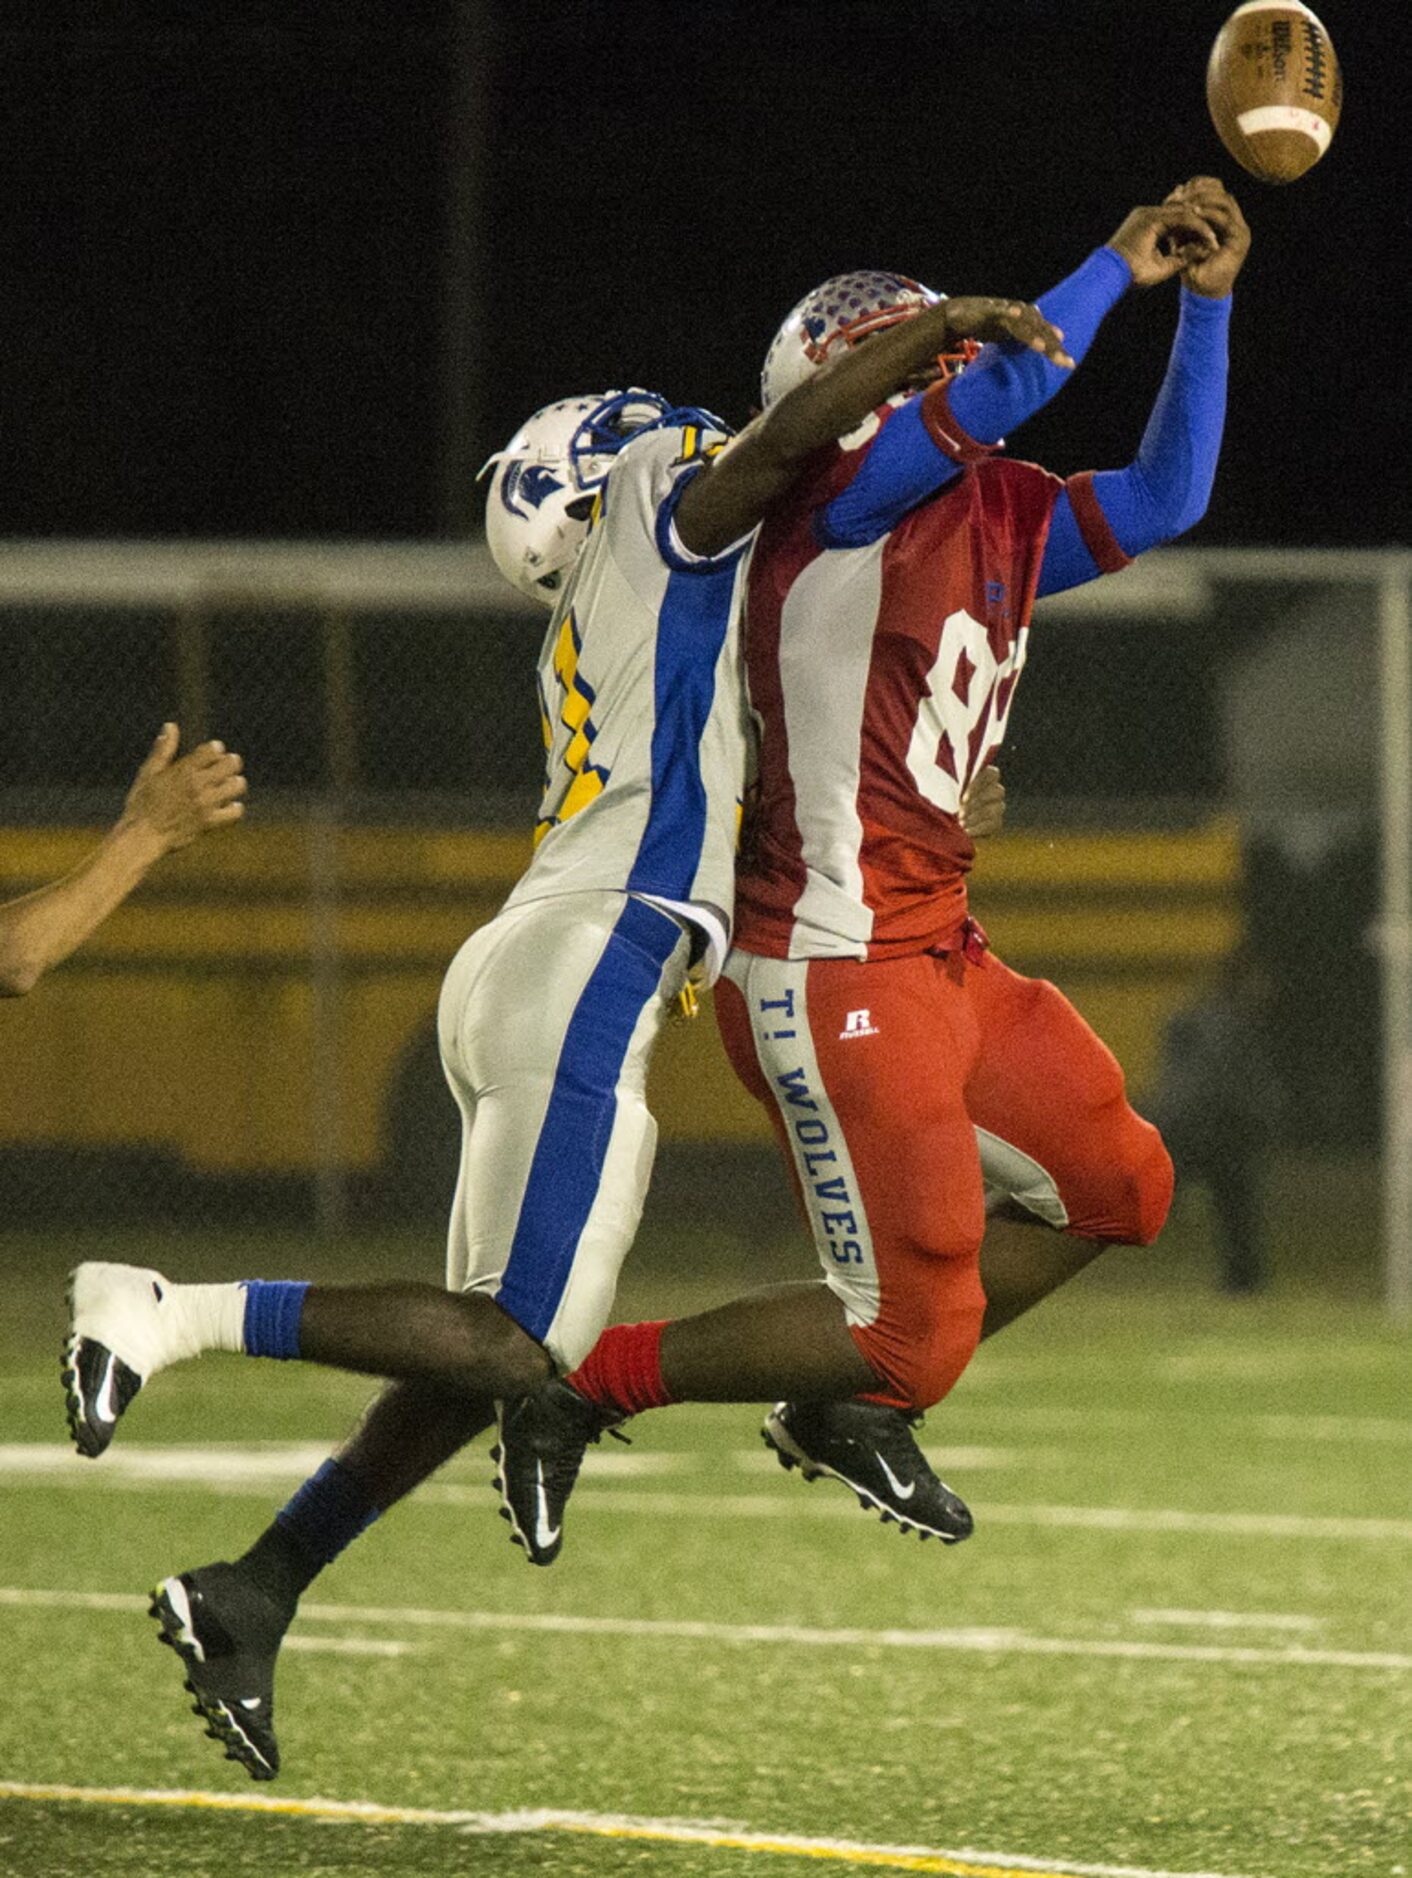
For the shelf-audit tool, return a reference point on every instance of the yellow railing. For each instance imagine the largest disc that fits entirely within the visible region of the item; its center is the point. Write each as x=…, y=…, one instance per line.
x=202, y=1017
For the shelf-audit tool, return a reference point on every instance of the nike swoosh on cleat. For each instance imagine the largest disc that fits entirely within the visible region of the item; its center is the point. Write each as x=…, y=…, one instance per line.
x=105, y=1408
x=544, y=1534
x=902, y=1492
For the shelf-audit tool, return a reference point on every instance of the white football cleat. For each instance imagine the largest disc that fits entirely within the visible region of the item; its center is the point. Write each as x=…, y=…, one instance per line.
x=119, y=1335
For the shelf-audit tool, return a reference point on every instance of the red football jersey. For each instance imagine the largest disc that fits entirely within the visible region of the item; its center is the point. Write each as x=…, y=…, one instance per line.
x=881, y=678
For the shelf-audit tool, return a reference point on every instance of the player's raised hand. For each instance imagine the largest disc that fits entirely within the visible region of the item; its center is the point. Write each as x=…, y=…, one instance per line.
x=982, y=811
x=175, y=800
x=1213, y=271
x=1159, y=241
x=978, y=316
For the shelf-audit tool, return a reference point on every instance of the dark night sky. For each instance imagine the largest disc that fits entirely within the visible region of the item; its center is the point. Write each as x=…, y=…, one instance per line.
x=223, y=237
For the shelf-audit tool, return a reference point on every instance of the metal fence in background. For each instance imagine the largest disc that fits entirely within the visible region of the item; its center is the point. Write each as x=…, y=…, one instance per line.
x=1210, y=750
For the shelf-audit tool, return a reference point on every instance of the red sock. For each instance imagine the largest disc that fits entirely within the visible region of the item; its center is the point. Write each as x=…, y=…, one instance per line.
x=623, y=1370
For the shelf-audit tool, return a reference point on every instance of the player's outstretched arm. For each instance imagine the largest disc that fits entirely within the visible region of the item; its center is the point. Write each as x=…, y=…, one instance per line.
x=169, y=804
x=1006, y=386
x=1102, y=521
x=928, y=441
x=728, y=499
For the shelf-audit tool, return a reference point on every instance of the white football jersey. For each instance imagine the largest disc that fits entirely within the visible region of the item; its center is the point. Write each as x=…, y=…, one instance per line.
x=642, y=698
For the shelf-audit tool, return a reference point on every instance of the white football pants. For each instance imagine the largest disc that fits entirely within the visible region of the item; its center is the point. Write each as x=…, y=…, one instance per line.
x=547, y=1019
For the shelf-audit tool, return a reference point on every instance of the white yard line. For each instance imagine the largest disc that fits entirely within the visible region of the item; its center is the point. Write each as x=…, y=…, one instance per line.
x=974, y=1459
x=1227, y=1620
x=997, y=1641
x=124, y=1601
x=834, y=1503
x=354, y=1646
x=1332, y=1428
x=252, y=1472
x=274, y=1460
x=136, y=1460
x=1170, y=1519
x=1053, y=1417
x=1206, y=1361
x=962, y=1863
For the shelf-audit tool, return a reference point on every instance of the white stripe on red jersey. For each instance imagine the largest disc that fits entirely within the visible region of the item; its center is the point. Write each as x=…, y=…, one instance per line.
x=881, y=680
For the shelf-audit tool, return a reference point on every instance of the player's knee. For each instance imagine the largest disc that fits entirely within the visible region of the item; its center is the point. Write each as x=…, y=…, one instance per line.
x=1126, y=1192
x=1155, y=1189
x=1147, y=1185
x=920, y=1361
x=496, y=1357
x=938, y=1370
x=929, y=1373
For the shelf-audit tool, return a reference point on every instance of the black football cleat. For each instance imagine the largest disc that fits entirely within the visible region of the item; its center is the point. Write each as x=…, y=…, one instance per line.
x=116, y=1339
x=121, y=1332
x=227, y=1632
x=98, y=1387
x=541, y=1448
x=870, y=1448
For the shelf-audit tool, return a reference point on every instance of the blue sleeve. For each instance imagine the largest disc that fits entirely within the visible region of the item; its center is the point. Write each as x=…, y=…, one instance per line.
x=1067, y=560
x=1009, y=383
x=1166, y=489
x=903, y=468
x=1004, y=386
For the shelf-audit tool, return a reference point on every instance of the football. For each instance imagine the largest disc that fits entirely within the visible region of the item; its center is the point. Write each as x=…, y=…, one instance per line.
x=1274, y=89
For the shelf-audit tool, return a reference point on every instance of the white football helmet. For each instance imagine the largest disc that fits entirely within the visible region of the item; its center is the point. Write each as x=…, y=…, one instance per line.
x=537, y=512
x=838, y=314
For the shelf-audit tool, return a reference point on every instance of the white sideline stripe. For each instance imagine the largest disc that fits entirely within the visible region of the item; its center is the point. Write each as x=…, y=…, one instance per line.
x=124, y=1601
x=1099, y=1421
x=964, y=1863
x=61, y=1467
x=1228, y=1620
x=265, y=1461
x=761, y=1461
x=133, y=1460
x=1170, y=1519
x=996, y=1641
x=353, y=1646
x=988, y=1513
x=1290, y=1362
x=1333, y=1427
x=215, y=1461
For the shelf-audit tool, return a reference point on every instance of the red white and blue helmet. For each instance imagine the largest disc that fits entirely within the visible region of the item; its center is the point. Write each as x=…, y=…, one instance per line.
x=541, y=498
x=835, y=316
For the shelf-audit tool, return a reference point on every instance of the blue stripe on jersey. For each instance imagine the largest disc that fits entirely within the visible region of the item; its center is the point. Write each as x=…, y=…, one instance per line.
x=691, y=629
x=573, y=1142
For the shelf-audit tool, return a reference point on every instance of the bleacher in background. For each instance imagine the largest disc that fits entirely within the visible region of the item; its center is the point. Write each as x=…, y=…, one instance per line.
x=191, y=1024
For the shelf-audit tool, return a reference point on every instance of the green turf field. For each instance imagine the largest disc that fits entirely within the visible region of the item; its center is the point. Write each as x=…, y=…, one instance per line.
x=1178, y=1642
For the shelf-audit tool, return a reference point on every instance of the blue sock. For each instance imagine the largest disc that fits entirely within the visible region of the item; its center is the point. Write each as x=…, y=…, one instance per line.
x=272, y=1313
x=327, y=1513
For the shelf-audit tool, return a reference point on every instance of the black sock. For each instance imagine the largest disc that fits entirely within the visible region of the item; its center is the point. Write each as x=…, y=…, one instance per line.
x=281, y=1567
x=325, y=1515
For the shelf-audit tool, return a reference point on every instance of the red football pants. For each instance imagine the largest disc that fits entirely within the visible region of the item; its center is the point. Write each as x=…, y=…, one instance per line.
x=888, y=1086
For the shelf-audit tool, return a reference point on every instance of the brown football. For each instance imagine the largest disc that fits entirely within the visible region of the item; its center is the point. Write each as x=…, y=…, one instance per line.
x=1274, y=89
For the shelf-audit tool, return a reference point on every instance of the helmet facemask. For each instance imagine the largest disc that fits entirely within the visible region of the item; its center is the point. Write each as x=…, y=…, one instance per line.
x=845, y=338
